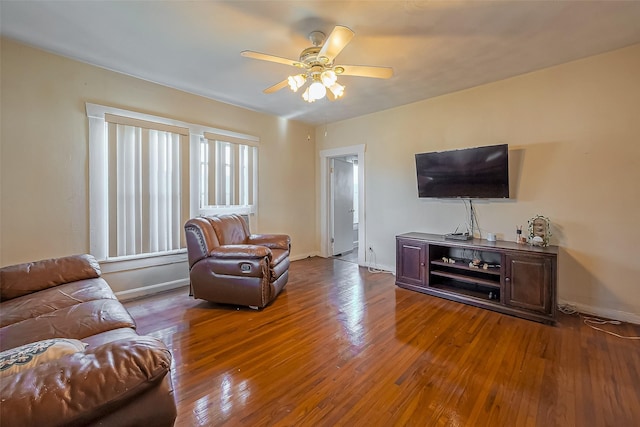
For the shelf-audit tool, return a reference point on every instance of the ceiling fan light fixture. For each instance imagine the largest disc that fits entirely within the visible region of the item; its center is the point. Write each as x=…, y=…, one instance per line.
x=328, y=78
x=337, y=89
x=307, y=96
x=317, y=91
x=296, y=82
x=316, y=65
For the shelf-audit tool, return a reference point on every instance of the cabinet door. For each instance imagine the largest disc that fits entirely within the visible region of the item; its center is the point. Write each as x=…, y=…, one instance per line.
x=410, y=262
x=528, y=282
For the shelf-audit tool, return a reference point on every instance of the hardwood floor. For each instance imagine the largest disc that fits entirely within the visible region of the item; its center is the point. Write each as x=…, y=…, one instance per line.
x=341, y=346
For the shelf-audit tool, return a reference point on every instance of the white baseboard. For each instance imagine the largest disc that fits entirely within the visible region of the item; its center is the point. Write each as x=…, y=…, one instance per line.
x=623, y=316
x=143, y=291
x=384, y=268
x=130, y=294
x=303, y=256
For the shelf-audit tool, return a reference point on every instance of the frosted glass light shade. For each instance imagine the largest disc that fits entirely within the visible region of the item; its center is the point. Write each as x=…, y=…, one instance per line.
x=328, y=78
x=337, y=89
x=305, y=96
x=317, y=90
x=296, y=82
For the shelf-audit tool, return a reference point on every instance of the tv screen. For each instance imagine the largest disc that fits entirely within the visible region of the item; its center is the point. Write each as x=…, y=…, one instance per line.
x=478, y=172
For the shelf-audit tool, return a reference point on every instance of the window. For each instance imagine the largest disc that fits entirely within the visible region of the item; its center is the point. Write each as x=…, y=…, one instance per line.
x=227, y=179
x=149, y=175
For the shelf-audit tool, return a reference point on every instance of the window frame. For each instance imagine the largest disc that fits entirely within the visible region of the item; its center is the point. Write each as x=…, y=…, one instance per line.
x=98, y=177
x=250, y=209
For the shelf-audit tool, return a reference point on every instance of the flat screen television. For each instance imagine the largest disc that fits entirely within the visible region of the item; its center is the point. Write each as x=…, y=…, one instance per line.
x=478, y=172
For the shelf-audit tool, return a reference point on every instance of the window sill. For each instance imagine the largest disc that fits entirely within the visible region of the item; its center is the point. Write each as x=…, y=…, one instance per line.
x=137, y=262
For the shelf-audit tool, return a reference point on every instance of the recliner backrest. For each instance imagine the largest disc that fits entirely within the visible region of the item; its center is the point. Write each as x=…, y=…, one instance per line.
x=201, y=239
x=230, y=229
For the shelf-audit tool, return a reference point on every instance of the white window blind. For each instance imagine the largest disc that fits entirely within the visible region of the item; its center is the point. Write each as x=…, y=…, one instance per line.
x=228, y=171
x=145, y=190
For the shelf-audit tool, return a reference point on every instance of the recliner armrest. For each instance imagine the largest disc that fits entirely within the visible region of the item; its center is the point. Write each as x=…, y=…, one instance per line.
x=241, y=251
x=273, y=241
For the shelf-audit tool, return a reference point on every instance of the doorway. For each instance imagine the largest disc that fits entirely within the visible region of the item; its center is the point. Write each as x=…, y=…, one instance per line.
x=344, y=208
x=353, y=155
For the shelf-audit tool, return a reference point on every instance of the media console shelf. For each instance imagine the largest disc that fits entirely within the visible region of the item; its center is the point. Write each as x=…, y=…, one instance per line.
x=519, y=280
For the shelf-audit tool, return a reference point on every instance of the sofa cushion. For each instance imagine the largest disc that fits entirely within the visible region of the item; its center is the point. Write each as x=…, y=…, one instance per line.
x=23, y=279
x=109, y=336
x=26, y=356
x=52, y=299
x=81, y=388
x=78, y=321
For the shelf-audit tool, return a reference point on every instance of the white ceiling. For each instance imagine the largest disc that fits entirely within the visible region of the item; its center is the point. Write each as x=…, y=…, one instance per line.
x=433, y=47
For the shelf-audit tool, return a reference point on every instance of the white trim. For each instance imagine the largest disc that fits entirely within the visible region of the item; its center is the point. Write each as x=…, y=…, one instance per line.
x=137, y=262
x=298, y=257
x=603, y=312
x=383, y=268
x=146, y=124
x=325, y=156
x=143, y=291
x=194, y=182
x=98, y=203
x=226, y=210
x=97, y=111
x=233, y=137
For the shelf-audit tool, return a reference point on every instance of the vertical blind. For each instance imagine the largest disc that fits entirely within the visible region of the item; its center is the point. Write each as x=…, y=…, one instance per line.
x=227, y=172
x=148, y=174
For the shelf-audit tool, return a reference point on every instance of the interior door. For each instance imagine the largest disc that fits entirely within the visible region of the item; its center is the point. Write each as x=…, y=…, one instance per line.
x=342, y=211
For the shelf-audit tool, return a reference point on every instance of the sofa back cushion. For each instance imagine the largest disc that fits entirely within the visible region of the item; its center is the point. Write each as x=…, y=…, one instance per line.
x=230, y=229
x=23, y=279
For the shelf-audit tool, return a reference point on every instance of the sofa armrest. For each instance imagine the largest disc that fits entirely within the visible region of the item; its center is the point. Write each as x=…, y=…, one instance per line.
x=233, y=260
x=273, y=241
x=81, y=387
x=23, y=279
x=241, y=251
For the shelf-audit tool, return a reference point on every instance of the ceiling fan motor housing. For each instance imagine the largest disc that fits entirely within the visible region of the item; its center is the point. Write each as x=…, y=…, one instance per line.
x=310, y=57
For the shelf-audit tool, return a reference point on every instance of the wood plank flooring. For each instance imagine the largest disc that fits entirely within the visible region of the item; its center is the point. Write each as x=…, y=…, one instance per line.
x=344, y=347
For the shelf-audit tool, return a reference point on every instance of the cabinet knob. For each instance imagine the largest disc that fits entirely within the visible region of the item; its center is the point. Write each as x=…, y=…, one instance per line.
x=507, y=279
x=422, y=264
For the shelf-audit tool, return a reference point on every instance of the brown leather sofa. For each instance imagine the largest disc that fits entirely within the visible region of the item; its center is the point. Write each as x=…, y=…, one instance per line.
x=229, y=265
x=119, y=379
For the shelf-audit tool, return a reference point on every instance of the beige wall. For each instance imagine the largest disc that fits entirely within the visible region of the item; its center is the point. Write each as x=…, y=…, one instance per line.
x=44, y=156
x=574, y=137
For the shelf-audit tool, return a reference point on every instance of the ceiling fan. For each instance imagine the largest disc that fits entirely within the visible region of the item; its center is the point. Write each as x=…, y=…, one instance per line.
x=318, y=68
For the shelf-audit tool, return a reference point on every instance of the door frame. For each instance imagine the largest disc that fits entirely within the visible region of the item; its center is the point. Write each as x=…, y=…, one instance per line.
x=325, y=198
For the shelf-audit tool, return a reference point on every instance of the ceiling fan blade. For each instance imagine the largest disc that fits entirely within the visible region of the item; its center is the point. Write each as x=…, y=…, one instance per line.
x=276, y=87
x=365, y=71
x=337, y=40
x=271, y=58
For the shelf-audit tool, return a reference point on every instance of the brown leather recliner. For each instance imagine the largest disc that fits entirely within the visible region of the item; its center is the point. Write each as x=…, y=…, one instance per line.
x=229, y=265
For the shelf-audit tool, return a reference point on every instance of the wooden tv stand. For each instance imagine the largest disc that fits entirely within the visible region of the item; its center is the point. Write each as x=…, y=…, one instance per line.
x=519, y=280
